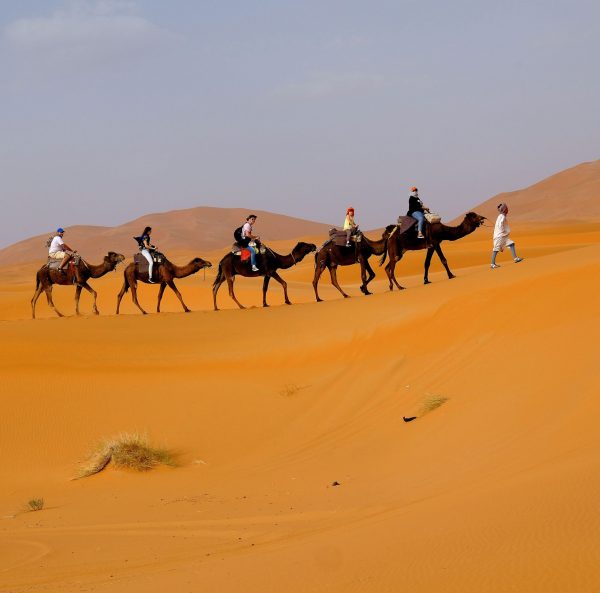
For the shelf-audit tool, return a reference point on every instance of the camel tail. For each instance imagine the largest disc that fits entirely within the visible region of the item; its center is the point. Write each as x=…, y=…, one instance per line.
x=219, y=278
x=382, y=260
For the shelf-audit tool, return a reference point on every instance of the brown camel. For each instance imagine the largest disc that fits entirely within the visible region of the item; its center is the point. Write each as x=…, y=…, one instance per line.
x=437, y=232
x=331, y=256
x=268, y=263
x=167, y=272
x=46, y=278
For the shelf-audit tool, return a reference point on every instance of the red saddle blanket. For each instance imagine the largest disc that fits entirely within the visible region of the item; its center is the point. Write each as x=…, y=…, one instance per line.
x=245, y=254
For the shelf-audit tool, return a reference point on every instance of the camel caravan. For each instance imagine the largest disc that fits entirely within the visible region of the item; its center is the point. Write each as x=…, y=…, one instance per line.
x=249, y=257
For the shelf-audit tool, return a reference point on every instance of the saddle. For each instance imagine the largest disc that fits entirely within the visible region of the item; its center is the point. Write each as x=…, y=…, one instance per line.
x=142, y=263
x=338, y=237
x=244, y=253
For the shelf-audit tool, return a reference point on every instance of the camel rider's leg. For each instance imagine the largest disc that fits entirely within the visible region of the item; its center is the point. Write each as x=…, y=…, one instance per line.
x=420, y=217
x=348, y=235
x=514, y=253
x=252, y=258
x=65, y=260
x=148, y=257
x=494, y=264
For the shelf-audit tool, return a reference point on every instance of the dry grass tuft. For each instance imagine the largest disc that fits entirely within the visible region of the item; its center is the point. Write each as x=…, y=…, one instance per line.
x=130, y=451
x=35, y=504
x=291, y=389
x=431, y=403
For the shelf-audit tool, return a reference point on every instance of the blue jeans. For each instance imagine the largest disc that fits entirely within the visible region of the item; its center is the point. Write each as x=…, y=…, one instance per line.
x=252, y=255
x=420, y=218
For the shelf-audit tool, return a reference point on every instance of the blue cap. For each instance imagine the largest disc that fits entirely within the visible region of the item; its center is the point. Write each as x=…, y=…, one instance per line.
x=60, y=230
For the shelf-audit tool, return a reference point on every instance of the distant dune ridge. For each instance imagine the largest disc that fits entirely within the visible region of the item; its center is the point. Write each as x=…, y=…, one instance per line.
x=196, y=230
x=572, y=194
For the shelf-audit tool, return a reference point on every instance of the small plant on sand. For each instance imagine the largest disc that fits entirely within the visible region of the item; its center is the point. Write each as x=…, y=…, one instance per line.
x=291, y=389
x=35, y=504
x=127, y=451
x=432, y=402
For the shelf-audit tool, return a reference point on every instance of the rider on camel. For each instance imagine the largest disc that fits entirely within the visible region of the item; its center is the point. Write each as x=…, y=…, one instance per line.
x=146, y=248
x=60, y=250
x=417, y=210
x=248, y=237
x=349, y=225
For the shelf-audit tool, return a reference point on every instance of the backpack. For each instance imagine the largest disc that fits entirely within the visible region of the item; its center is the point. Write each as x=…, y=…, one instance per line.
x=49, y=241
x=237, y=234
x=140, y=241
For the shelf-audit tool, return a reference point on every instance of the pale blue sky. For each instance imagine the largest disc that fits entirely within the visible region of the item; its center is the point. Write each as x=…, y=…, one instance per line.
x=113, y=109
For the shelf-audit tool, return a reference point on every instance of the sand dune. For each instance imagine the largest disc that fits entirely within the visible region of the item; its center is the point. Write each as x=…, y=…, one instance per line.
x=495, y=490
x=571, y=195
x=194, y=230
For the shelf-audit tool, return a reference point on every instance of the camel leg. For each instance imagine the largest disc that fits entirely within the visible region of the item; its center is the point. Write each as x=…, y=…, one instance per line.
x=440, y=253
x=120, y=295
x=161, y=291
x=318, y=271
x=333, y=274
x=428, y=257
x=94, y=296
x=215, y=290
x=265, y=288
x=134, y=296
x=36, y=296
x=231, y=293
x=174, y=289
x=77, y=297
x=284, y=284
x=48, y=291
x=390, y=271
x=366, y=268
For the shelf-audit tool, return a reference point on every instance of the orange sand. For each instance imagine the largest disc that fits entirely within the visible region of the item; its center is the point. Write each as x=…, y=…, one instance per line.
x=494, y=491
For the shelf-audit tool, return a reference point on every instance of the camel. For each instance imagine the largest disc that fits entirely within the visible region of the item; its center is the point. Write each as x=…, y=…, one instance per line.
x=437, y=232
x=331, y=256
x=167, y=272
x=231, y=265
x=46, y=278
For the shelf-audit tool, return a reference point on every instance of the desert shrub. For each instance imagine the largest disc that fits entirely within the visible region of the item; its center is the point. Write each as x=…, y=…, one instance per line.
x=35, y=504
x=130, y=451
x=432, y=402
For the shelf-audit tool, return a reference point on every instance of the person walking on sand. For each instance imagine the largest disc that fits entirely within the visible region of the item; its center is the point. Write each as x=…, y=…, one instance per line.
x=501, y=237
x=349, y=225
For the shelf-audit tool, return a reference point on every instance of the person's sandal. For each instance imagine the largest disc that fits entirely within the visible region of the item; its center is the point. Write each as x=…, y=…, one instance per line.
x=494, y=266
x=518, y=259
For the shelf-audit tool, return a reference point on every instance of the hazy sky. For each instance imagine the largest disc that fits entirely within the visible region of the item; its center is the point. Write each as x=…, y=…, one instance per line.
x=112, y=109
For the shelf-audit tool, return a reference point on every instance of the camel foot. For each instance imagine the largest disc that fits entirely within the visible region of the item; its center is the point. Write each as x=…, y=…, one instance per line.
x=451, y=276
x=346, y=296
x=426, y=282
x=144, y=313
x=401, y=288
x=265, y=305
x=96, y=312
x=188, y=310
x=319, y=300
x=288, y=302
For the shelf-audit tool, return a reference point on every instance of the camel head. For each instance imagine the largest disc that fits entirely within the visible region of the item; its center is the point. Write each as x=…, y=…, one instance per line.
x=200, y=263
x=302, y=249
x=113, y=259
x=475, y=219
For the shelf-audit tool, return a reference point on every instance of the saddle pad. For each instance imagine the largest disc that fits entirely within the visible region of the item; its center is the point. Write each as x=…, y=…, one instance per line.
x=405, y=223
x=245, y=255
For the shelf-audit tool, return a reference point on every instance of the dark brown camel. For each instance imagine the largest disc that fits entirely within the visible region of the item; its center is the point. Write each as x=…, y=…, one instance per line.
x=167, y=272
x=331, y=256
x=268, y=263
x=46, y=278
x=437, y=232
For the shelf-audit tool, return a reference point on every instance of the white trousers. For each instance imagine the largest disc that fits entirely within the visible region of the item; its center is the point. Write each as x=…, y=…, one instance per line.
x=147, y=255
